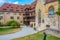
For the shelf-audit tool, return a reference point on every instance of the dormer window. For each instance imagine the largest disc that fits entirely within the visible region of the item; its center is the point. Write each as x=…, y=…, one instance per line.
x=11, y=9
x=7, y=7
x=17, y=10
x=4, y=9
x=27, y=9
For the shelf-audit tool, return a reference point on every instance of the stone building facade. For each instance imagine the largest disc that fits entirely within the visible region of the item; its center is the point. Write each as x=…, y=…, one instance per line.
x=45, y=14
x=24, y=14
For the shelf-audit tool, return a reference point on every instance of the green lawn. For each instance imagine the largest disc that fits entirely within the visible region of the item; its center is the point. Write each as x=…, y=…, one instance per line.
x=8, y=30
x=37, y=36
x=22, y=25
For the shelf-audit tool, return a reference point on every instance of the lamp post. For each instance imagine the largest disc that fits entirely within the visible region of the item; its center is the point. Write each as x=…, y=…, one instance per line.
x=44, y=37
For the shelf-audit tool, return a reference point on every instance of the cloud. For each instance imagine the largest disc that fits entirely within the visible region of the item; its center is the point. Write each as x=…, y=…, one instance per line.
x=2, y=1
x=16, y=2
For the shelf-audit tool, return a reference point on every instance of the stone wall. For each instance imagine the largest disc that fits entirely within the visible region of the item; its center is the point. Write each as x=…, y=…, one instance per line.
x=53, y=32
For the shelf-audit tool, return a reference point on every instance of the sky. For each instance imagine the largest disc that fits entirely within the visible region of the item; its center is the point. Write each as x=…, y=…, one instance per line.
x=20, y=2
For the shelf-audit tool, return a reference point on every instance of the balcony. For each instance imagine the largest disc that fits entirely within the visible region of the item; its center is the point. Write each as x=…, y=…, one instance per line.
x=29, y=16
x=32, y=20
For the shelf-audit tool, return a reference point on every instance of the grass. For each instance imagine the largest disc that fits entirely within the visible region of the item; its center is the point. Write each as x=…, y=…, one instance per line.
x=8, y=30
x=37, y=36
x=22, y=25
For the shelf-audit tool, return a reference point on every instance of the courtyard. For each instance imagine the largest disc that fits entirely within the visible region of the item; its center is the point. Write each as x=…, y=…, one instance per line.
x=36, y=18
x=37, y=36
x=27, y=33
x=25, y=30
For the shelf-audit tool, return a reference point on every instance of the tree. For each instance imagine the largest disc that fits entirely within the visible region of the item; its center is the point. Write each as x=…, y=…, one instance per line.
x=59, y=1
x=13, y=23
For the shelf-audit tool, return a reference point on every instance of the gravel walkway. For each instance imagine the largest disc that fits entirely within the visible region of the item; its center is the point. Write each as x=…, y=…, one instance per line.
x=24, y=32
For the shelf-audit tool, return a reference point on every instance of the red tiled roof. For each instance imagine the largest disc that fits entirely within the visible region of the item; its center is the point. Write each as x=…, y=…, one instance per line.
x=48, y=1
x=16, y=8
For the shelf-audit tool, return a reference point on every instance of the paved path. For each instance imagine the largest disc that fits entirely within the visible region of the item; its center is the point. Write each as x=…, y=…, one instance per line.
x=24, y=32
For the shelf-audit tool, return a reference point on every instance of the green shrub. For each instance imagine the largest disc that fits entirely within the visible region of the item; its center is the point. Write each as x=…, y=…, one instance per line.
x=13, y=23
x=1, y=24
x=34, y=28
x=59, y=1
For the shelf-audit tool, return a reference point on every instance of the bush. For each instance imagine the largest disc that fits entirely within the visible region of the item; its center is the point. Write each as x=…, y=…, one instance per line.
x=1, y=24
x=13, y=23
x=34, y=28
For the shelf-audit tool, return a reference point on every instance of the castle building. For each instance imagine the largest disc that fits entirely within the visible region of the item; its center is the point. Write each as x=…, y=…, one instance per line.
x=39, y=14
x=24, y=14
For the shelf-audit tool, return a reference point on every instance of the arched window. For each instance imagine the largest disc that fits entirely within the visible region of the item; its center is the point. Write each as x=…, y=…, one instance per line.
x=39, y=17
x=51, y=11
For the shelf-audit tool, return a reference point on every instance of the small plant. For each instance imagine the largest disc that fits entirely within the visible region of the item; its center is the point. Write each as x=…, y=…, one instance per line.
x=13, y=23
x=1, y=24
x=34, y=28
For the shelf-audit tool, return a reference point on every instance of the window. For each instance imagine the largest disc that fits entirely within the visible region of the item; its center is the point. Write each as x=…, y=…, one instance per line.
x=51, y=12
x=17, y=17
x=39, y=17
x=48, y=26
x=15, y=13
x=17, y=6
x=8, y=12
x=1, y=17
x=12, y=17
x=19, y=13
x=27, y=9
x=31, y=13
x=11, y=9
x=34, y=24
x=43, y=21
x=21, y=10
x=4, y=9
x=17, y=10
x=21, y=21
x=1, y=12
x=7, y=7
